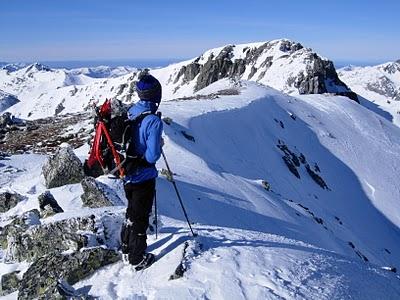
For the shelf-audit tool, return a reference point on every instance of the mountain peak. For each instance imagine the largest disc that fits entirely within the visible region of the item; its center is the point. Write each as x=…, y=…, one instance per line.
x=38, y=67
x=282, y=64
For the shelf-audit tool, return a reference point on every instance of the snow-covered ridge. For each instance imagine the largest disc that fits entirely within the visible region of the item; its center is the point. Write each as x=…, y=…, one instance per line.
x=103, y=71
x=94, y=72
x=378, y=84
x=281, y=64
x=12, y=67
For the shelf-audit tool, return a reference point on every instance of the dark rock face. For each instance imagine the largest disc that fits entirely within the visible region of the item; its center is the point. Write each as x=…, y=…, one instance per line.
x=322, y=78
x=9, y=283
x=393, y=67
x=39, y=240
x=97, y=194
x=64, y=167
x=188, y=72
x=290, y=159
x=38, y=67
x=294, y=162
x=288, y=46
x=60, y=107
x=9, y=200
x=215, y=69
x=48, y=205
x=318, y=179
x=40, y=280
x=384, y=86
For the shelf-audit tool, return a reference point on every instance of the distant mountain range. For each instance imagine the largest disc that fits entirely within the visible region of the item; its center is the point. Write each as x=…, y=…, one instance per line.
x=379, y=85
x=282, y=64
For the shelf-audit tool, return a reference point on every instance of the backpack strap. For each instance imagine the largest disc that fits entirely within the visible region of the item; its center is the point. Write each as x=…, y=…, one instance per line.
x=131, y=162
x=127, y=135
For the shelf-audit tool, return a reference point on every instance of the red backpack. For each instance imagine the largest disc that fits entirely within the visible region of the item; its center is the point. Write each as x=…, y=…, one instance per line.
x=103, y=152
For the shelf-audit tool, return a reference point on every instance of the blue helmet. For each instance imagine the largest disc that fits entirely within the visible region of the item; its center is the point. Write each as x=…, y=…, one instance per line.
x=148, y=88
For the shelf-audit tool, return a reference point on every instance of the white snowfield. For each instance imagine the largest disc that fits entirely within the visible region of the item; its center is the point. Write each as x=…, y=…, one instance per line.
x=296, y=240
x=379, y=85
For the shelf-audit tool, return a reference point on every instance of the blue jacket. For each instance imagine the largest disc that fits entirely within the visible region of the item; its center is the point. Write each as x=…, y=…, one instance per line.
x=147, y=140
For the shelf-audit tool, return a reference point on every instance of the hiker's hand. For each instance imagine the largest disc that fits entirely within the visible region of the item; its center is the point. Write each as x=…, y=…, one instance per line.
x=162, y=143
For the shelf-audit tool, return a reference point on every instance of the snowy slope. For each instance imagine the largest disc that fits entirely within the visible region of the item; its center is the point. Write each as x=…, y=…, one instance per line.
x=46, y=92
x=282, y=64
x=299, y=240
x=379, y=85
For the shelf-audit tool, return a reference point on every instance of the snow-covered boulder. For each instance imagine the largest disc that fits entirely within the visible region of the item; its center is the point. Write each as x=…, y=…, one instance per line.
x=9, y=200
x=36, y=241
x=48, y=205
x=97, y=194
x=64, y=167
x=41, y=279
x=18, y=225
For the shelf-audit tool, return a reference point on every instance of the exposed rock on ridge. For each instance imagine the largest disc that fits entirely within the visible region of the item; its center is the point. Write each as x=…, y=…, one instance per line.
x=308, y=74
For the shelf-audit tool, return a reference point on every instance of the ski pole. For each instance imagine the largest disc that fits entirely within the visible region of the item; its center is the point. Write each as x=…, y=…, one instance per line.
x=177, y=192
x=155, y=211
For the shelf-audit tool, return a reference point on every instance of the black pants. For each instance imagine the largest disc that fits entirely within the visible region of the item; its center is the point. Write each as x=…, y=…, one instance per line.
x=133, y=234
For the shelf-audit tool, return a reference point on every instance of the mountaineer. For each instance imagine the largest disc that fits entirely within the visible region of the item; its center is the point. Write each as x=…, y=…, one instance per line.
x=140, y=179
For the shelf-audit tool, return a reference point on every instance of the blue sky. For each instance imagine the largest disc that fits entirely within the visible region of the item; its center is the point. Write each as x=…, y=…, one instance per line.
x=43, y=30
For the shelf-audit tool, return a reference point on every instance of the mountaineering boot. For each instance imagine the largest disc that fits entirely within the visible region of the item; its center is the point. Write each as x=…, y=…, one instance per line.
x=148, y=260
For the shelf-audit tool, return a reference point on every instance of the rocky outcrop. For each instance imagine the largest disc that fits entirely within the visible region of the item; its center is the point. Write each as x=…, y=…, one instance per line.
x=385, y=87
x=44, y=135
x=322, y=78
x=6, y=101
x=294, y=162
x=189, y=72
x=97, y=194
x=27, y=239
x=64, y=167
x=216, y=68
x=9, y=200
x=38, y=67
x=392, y=68
x=9, y=283
x=41, y=279
x=18, y=225
x=310, y=74
x=31, y=242
x=6, y=119
x=48, y=205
